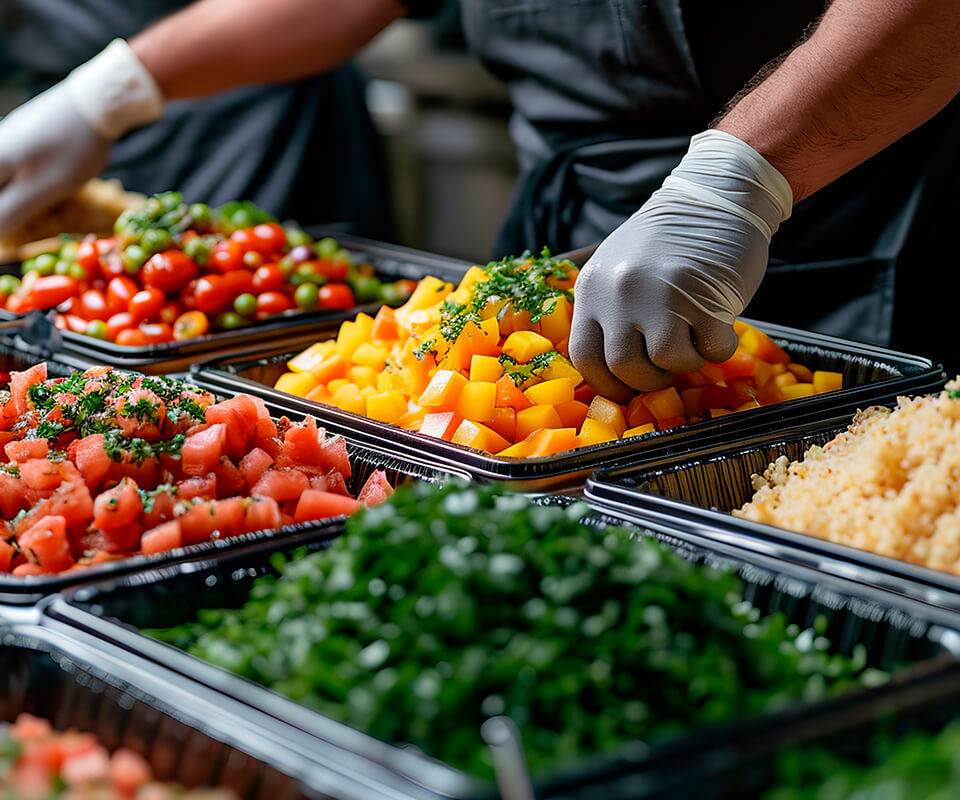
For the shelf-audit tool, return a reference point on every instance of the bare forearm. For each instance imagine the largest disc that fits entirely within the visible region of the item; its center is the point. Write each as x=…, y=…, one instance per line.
x=872, y=71
x=215, y=45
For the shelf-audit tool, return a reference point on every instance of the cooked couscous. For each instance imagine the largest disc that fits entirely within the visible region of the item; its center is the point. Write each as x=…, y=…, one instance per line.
x=890, y=484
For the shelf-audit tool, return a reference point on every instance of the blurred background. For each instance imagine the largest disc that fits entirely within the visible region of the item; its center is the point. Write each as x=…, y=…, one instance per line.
x=441, y=116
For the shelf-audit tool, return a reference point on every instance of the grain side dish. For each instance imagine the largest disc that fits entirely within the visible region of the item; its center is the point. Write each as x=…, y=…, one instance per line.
x=888, y=484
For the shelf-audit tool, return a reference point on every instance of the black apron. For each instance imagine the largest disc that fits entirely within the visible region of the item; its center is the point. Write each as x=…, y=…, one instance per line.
x=304, y=150
x=607, y=94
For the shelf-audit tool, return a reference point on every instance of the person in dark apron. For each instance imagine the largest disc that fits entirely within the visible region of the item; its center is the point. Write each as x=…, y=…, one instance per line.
x=608, y=95
x=304, y=150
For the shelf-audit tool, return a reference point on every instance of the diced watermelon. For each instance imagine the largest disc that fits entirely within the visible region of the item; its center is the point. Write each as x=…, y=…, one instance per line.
x=314, y=505
x=281, y=484
x=262, y=514
x=41, y=474
x=26, y=449
x=129, y=771
x=158, y=510
x=205, y=487
x=238, y=415
x=146, y=474
x=6, y=555
x=13, y=497
x=254, y=464
x=47, y=542
x=118, y=506
x=22, y=571
x=21, y=381
x=376, y=490
x=335, y=456
x=90, y=456
x=162, y=538
x=304, y=443
x=122, y=539
x=336, y=483
x=229, y=479
x=225, y=517
x=202, y=450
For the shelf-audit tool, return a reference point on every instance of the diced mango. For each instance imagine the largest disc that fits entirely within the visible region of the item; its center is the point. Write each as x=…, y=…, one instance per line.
x=477, y=401
x=504, y=422
x=551, y=393
x=784, y=379
x=363, y=376
x=386, y=406
x=719, y=412
x=412, y=420
x=595, y=431
x=429, y=292
x=441, y=425
x=348, y=398
x=298, y=383
x=572, y=413
x=353, y=333
x=637, y=412
x=692, y=400
x=824, y=381
x=536, y=417
x=485, y=368
x=639, y=430
x=542, y=443
x=478, y=435
x=443, y=391
x=471, y=278
x=804, y=375
x=746, y=406
x=671, y=422
x=556, y=325
x=524, y=345
x=509, y=395
x=320, y=394
x=385, y=327
x=797, y=390
x=609, y=412
x=370, y=355
x=560, y=367
x=310, y=358
x=664, y=403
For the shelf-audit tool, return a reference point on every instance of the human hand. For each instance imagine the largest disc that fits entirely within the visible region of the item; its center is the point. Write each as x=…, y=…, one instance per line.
x=52, y=144
x=661, y=293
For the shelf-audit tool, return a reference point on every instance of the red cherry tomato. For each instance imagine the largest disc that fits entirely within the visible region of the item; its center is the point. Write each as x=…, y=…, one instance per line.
x=118, y=323
x=146, y=304
x=190, y=324
x=188, y=294
x=238, y=282
x=243, y=237
x=72, y=323
x=170, y=311
x=88, y=257
x=336, y=295
x=120, y=291
x=132, y=337
x=169, y=271
x=111, y=265
x=268, y=278
x=156, y=332
x=226, y=256
x=333, y=269
x=93, y=305
x=268, y=238
x=52, y=290
x=212, y=294
x=273, y=303
x=405, y=286
x=187, y=235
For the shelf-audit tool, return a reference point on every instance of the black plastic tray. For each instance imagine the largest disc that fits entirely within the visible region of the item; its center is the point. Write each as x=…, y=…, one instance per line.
x=189, y=735
x=695, y=492
x=872, y=375
x=364, y=460
x=391, y=261
x=890, y=633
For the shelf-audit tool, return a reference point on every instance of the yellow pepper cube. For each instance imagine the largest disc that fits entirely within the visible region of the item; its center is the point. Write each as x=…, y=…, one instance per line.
x=719, y=412
x=430, y=292
x=556, y=325
x=386, y=406
x=443, y=391
x=471, y=278
x=797, y=390
x=595, y=431
x=478, y=435
x=478, y=401
x=298, y=383
x=640, y=430
x=370, y=355
x=485, y=368
x=543, y=442
x=551, y=393
x=534, y=418
x=824, y=381
x=363, y=376
x=785, y=379
x=524, y=345
x=387, y=380
x=310, y=358
x=804, y=375
x=348, y=398
x=609, y=412
x=335, y=384
x=560, y=367
x=664, y=403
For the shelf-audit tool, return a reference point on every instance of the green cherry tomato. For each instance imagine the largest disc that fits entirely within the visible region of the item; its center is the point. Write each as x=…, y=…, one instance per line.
x=62, y=267
x=228, y=321
x=97, y=328
x=245, y=305
x=241, y=218
x=68, y=250
x=327, y=248
x=307, y=295
x=199, y=213
x=78, y=272
x=252, y=259
x=45, y=264
x=287, y=265
x=296, y=237
x=155, y=239
x=9, y=284
x=135, y=254
x=367, y=288
x=390, y=294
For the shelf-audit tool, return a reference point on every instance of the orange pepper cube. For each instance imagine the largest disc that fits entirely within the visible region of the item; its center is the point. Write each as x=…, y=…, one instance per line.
x=485, y=368
x=443, y=391
x=572, y=413
x=551, y=393
x=477, y=401
x=385, y=325
x=595, y=431
x=638, y=413
x=824, y=381
x=386, y=406
x=609, y=412
x=664, y=403
x=543, y=442
x=478, y=435
x=536, y=417
x=556, y=324
x=524, y=345
x=504, y=422
x=804, y=375
x=640, y=430
x=797, y=390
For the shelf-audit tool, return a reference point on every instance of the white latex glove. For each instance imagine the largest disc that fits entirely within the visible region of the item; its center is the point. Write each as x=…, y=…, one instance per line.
x=50, y=145
x=661, y=293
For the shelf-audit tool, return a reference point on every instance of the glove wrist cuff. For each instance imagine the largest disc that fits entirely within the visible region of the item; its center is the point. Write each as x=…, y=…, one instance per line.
x=115, y=92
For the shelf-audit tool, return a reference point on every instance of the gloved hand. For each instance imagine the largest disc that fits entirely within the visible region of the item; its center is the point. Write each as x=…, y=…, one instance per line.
x=661, y=293
x=52, y=144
